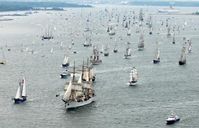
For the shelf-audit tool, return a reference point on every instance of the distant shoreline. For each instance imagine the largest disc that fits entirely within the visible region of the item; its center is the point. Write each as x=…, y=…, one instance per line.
x=24, y=6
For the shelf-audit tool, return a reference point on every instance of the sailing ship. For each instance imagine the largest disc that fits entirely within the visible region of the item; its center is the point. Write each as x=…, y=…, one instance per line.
x=21, y=92
x=129, y=32
x=182, y=60
x=79, y=93
x=95, y=58
x=47, y=35
x=157, y=55
x=111, y=31
x=133, y=77
x=127, y=51
x=65, y=62
x=64, y=74
x=106, y=51
x=3, y=60
x=141, y=42
x=115, y=49
x=87, y=43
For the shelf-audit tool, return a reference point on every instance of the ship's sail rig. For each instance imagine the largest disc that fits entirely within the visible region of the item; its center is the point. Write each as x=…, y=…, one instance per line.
x=141, y=42
x=21, y=92
x=95, y=57
x=182, y=59
x=127, y=53
x=133, y=77
x=65, y=61
x=157, y=55
x=80, y=91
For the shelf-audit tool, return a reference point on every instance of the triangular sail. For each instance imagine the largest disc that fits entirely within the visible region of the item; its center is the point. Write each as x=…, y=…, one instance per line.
x=23, y=84
x=66, y=60
x=18, y=94
x=68, y=92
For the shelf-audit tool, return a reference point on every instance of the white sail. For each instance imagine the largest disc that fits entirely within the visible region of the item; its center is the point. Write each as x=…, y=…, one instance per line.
x=66, y=60
x=23, y=83
x=80, y=80
x=134, y=75
x=183, y=54
x=18, y=94
x=129, y=52
x=68, y=92
x=51, y=51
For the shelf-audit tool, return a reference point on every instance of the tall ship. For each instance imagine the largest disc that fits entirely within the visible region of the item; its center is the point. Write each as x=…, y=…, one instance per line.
x=127, y=53
x=79, y=93
x=21, y=92
x=182, y=59
x=141, y=42
x=95, y=58
x=133, y=77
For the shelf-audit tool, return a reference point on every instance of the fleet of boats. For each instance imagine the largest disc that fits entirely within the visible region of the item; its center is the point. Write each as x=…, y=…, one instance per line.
x=79, y=91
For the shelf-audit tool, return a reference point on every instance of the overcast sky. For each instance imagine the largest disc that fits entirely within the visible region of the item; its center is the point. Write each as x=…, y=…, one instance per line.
x=77, y=1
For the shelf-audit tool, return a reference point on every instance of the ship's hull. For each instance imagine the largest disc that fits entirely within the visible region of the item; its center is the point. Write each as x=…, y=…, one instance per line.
x=156, y=61
x=182, y=62
x=19, y=100
x=63, y=76
x=65, y=65
x=115, y=50
x=172, y=121
x=73, y=105
x=106, y=54
x=132, y=83
x=47, y=37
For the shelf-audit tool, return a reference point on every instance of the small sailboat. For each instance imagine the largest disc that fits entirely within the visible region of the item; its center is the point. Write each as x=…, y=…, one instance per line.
x=65, y=62
x=172, y=119
x=133, y=77
x=141, y=43
x=106, y=51
x=64, y=74
x=48, y=34
x=129, y=32
x=182, y=60
x=21, y=92
x=87, y=43
x=157, y=55
x=111, y=31
x=115, y=49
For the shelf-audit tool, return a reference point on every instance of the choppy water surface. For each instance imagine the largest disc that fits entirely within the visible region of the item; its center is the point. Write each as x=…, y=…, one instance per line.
x=162, y=88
